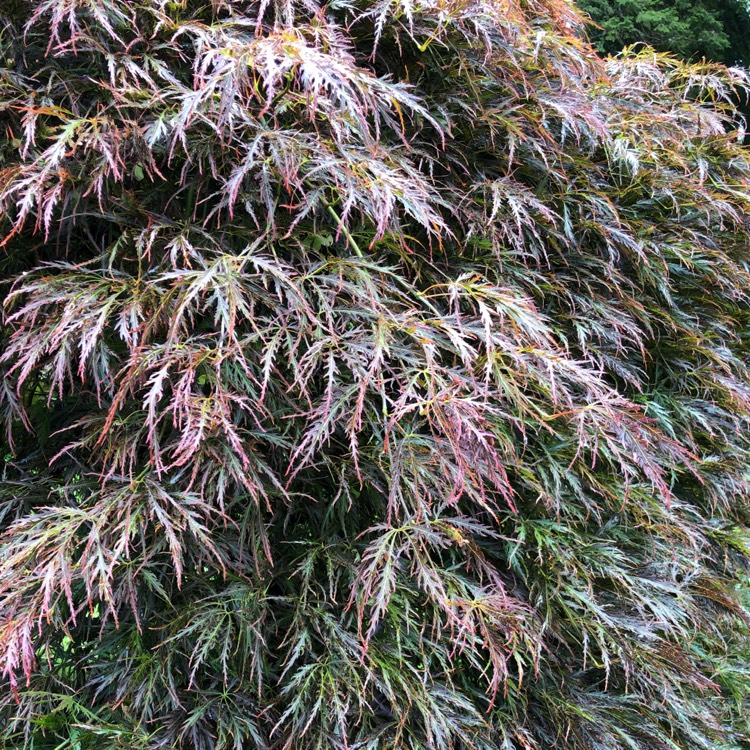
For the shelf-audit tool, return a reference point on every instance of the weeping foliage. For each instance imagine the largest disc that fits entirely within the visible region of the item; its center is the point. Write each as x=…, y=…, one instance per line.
x=375, y=375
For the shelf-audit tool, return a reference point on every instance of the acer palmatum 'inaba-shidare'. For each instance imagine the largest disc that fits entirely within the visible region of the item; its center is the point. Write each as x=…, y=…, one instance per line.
x=374, y=376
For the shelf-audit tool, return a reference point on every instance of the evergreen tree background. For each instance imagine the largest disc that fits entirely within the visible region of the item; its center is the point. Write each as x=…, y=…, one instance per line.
x=713, y=29
x=374, y=376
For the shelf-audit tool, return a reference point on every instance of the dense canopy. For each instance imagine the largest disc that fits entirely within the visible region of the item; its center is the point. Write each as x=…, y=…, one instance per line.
x=713, y=29
x=374, y=377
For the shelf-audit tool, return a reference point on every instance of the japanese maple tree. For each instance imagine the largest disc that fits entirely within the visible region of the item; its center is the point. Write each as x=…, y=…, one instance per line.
x=375, y=376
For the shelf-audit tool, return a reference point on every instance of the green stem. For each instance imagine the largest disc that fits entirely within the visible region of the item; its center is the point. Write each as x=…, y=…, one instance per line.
x=344, y=229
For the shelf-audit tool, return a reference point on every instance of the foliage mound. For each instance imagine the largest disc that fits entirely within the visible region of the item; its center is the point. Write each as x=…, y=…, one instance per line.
x=374, y=376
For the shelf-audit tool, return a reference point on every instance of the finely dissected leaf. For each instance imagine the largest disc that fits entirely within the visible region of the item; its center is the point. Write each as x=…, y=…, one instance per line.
x=374, y=376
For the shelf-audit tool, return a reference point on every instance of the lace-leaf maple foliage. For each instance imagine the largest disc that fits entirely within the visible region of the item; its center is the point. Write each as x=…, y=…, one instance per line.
x=374, y=376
